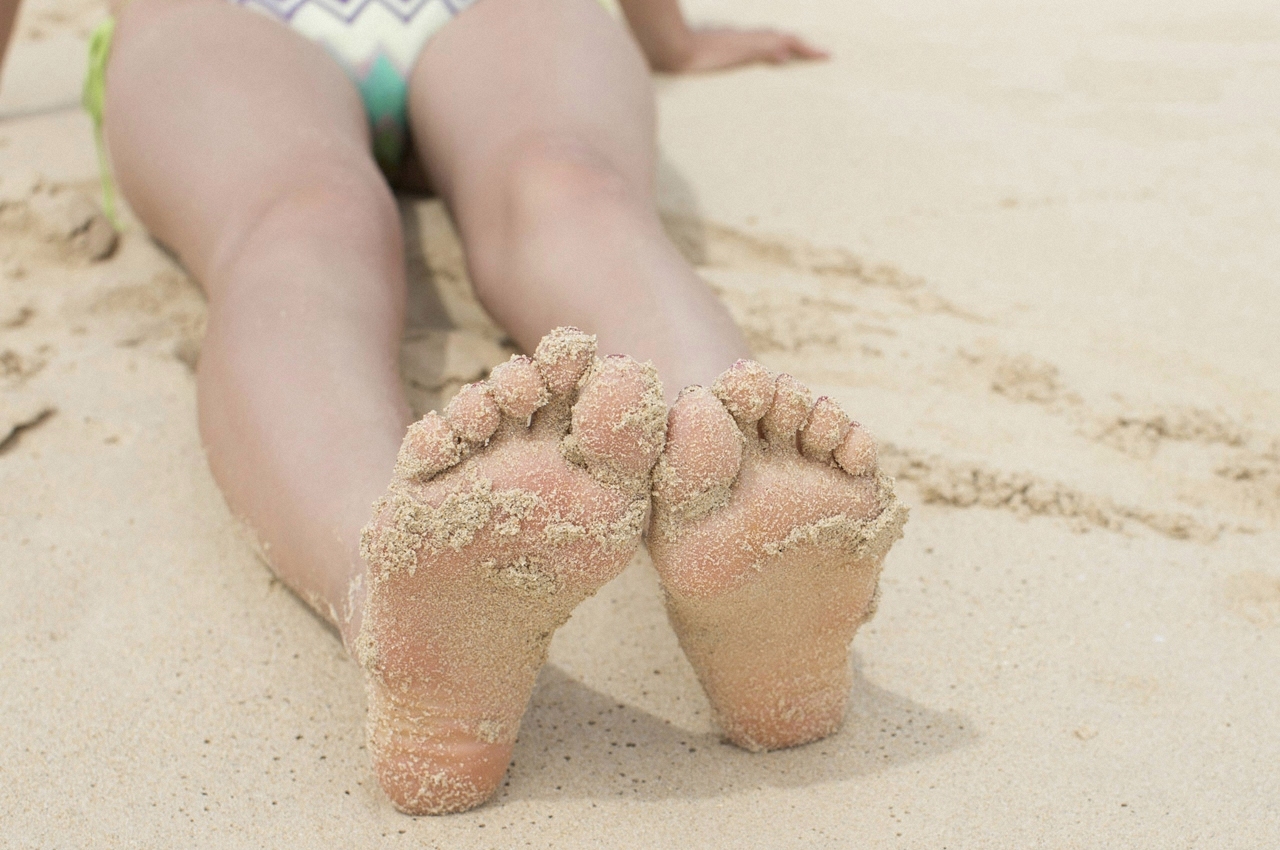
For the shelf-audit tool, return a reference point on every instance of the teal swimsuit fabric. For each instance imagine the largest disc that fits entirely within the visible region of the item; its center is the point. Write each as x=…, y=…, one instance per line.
x=386, y=99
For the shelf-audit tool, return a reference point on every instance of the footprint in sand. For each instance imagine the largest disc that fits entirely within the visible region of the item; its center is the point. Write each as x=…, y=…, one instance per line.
x=770, y=524
x=522, y=500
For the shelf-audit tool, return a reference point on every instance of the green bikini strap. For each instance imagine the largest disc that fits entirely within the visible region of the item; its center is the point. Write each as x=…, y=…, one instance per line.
x=92, y=99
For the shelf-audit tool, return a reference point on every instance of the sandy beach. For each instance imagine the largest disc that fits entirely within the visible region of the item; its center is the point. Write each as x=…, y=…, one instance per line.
x=1032, y=247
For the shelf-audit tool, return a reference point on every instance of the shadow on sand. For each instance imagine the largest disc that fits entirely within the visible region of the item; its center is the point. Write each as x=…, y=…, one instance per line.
x=580, y=742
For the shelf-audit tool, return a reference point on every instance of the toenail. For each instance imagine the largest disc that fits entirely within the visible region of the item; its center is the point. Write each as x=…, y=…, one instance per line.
x=689, y=390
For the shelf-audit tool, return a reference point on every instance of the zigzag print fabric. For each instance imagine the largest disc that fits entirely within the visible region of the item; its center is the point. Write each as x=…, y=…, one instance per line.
x=377, y=42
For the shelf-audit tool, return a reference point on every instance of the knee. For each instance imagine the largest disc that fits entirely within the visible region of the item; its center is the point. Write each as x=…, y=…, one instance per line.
x=336, y=211
x=552, y=190
x=565, y=177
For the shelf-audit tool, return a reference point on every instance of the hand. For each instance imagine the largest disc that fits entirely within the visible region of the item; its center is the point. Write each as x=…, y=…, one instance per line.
x=721, y=47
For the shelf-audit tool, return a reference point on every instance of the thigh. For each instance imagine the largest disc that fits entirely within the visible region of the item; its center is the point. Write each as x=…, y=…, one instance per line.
x=509, y=73
x=214, y=113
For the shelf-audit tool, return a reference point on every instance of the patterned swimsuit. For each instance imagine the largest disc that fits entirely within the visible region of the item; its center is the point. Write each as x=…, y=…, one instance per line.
x=377, y=42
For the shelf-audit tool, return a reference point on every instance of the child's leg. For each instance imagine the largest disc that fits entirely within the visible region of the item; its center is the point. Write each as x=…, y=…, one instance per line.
x=535, y=118
x=244, y=148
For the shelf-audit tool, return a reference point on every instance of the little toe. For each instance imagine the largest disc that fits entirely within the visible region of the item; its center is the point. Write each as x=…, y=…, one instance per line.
x=517, y=387
x=823, y=430
x=618, y=422
x=563, y=357
x=746, y=389
x=700, y=462
x=430, y=447
x=473, y=414
x=791, y=404
x=857, y=453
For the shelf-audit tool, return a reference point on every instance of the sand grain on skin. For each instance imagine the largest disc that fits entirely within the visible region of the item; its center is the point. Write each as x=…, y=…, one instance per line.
x=489, y=536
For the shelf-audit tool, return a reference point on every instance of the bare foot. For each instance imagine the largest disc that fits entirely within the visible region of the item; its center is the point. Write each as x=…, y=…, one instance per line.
x=526, y=496
x=770, y=524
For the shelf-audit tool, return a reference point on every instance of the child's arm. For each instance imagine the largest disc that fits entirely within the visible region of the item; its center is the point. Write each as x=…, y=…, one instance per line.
x=8, y=12
x=672, y=45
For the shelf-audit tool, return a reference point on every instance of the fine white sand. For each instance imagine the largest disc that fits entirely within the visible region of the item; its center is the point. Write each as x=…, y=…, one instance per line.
x=1033, y=247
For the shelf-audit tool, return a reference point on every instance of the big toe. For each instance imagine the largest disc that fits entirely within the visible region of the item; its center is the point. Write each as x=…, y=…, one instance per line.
x=619, y=422
x=701, y=460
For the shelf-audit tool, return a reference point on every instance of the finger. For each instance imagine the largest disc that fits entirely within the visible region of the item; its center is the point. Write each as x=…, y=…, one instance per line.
x=769, y=46
x=746, y=48
x=801, y=49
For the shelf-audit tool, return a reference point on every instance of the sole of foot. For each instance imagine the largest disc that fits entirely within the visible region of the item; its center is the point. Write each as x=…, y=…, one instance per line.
x=526, y=496
x=770, y=524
